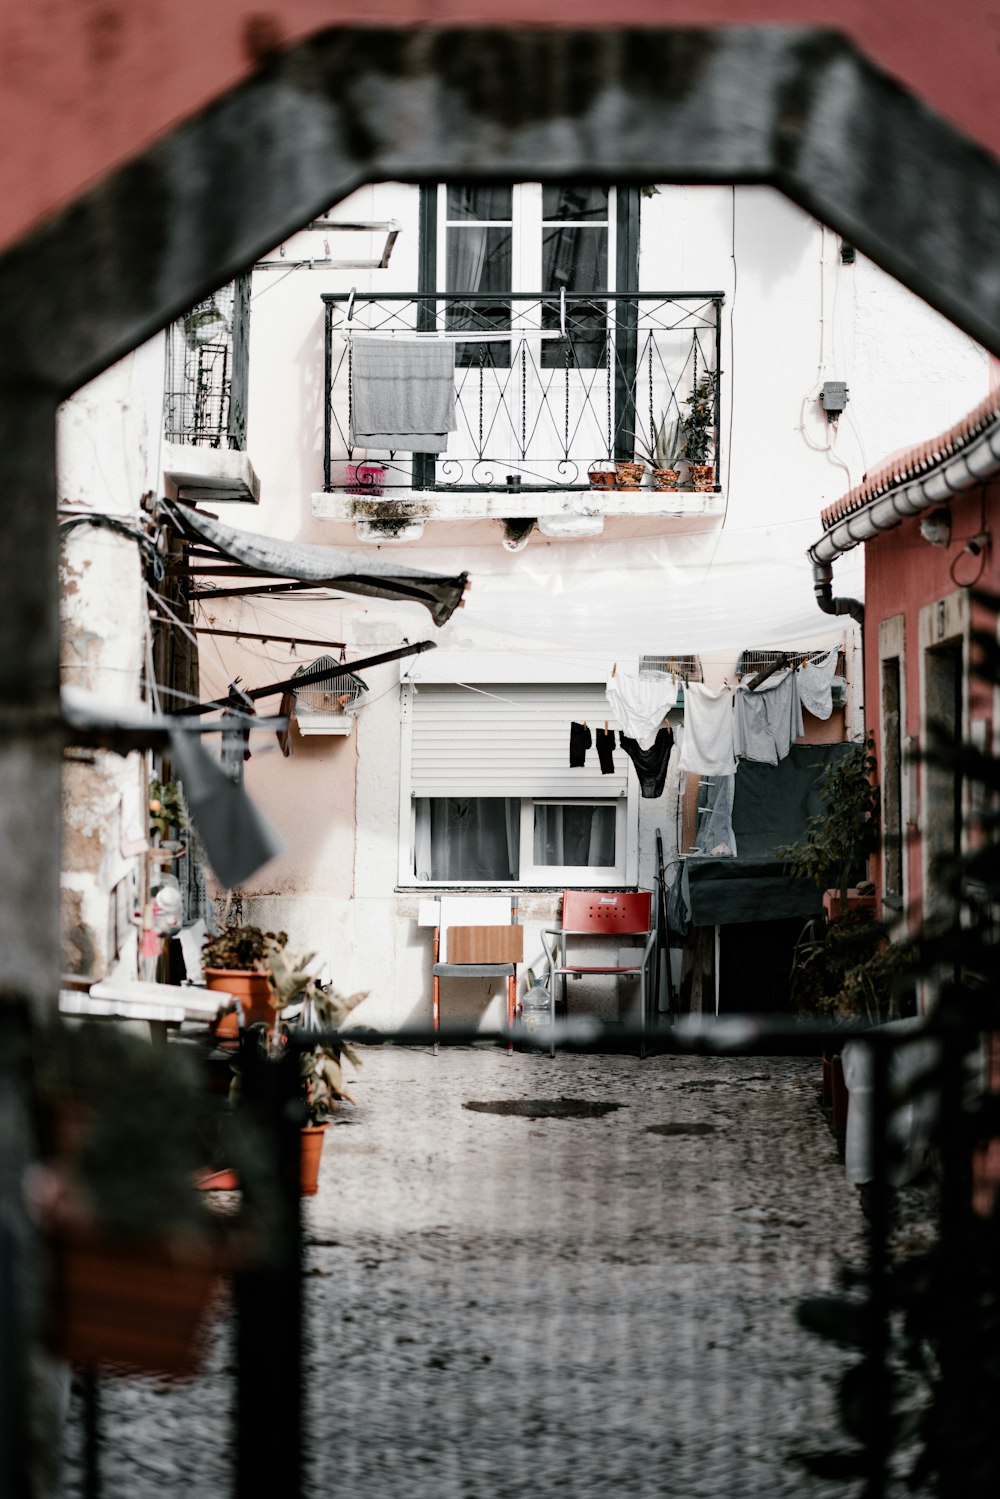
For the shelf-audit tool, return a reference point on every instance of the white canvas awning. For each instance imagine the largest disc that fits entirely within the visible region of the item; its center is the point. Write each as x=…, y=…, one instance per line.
x=354, y=572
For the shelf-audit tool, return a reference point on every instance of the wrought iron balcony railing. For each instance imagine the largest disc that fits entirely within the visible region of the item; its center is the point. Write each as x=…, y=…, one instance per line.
x=207, y=365
x=550, y=392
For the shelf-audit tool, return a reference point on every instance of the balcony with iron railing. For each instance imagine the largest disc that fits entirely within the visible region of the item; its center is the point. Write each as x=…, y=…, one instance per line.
x=550, y=393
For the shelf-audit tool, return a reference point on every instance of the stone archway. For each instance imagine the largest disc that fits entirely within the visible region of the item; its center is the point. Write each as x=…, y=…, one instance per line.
x=797, y=108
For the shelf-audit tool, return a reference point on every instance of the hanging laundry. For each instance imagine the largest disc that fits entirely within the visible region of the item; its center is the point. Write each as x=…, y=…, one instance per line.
x=402, y=395
x=606, y=751
x=767, y=720
x=579, y=743
x=641, y=701
x=707, y=747
x=286, y=710
x=816, y=683
x=650, y=764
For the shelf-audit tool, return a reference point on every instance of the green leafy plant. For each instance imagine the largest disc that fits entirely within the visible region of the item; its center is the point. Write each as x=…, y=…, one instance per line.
x=848, y=969
x=698, y=426
x=244, y=947
x=665, y=449
x=166, y=808
x=291, y=981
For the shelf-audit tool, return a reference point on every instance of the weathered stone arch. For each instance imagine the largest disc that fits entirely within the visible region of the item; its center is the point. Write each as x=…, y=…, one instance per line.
x=797, y=108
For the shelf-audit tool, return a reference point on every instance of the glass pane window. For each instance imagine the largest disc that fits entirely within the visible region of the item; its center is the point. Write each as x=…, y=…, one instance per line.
x=573, y=204
x=574, y=836
x=467, y=838
x=479, y=263
x=467, y=200
x=575, y=257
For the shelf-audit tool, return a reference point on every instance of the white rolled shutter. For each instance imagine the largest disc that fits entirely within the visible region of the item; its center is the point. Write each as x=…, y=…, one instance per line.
x=512, y=742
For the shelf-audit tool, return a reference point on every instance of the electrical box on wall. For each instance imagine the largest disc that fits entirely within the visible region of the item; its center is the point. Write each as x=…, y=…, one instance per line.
x=833, y=398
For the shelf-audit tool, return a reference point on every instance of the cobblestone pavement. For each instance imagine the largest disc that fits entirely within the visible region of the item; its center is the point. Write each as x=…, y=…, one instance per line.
x=505, y=1304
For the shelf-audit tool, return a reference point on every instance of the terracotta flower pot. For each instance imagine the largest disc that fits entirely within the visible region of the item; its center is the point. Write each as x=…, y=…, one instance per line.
x=139, y=1304
x=602, y=478
x=702, y=475
x=629, y=475
x=312, y=1150
x=250, y=987
x=666, y=478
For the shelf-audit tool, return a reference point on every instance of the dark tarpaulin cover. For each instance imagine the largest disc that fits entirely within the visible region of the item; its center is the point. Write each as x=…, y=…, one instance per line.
x=771, y=806
x=353, y=572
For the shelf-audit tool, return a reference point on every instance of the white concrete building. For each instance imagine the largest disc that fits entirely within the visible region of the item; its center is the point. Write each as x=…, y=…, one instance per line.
x=736, y=281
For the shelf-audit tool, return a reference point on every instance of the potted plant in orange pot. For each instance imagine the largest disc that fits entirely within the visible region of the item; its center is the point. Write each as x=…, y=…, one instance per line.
x=235, y=960
x=698, y=429
x=663, y=452
x=291, y=983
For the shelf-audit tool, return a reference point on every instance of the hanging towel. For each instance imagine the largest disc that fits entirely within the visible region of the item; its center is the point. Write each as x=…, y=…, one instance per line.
x=816, y=683
x=708, y=731
x=606, y=751
x=579, y=744
x=650, y=764
x=640, y=702
x=766, y=720
x=402, y=394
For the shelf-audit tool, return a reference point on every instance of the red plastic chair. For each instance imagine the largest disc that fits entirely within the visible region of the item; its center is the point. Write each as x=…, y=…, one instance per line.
x=600, y=913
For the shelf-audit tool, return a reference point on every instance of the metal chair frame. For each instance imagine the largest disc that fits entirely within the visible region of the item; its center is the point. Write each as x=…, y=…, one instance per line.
x=600, y=913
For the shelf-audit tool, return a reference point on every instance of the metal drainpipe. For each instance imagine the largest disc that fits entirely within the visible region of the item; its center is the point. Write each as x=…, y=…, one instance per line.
x=823, y=586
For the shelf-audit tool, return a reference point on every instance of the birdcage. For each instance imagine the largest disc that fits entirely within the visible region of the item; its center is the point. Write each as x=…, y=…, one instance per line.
x=328, y=707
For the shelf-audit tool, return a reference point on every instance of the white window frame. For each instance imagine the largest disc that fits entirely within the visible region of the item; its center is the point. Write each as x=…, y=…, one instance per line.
x=526, y=229
x=531, y=876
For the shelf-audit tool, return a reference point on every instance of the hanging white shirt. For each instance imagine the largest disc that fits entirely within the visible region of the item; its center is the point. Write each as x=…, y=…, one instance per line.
x=641, y=701
x=816, y=683
x=708, y=731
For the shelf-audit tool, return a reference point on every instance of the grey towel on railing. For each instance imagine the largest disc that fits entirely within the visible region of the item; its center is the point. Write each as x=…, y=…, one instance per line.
x=402, y=394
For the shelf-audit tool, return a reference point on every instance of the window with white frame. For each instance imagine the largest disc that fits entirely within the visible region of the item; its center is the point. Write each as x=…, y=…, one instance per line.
x=526, y=237
x=489, y=796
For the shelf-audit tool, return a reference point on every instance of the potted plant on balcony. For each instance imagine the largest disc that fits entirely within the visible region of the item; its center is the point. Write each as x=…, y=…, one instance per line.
x=291, y=982
x=136, y=1254
x=235, y=960
x=698, y=430
x=663, y=452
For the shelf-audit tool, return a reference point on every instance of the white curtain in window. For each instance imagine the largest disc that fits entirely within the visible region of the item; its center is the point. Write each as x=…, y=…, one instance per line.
x=575, y=837
x=467, y=838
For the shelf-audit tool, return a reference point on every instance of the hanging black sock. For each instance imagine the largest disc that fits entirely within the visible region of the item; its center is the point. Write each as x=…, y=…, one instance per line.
x=605, y=751
x=579, y=743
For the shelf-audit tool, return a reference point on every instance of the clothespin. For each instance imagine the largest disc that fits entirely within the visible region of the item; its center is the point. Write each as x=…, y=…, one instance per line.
x=605, y=726
x=614, y=668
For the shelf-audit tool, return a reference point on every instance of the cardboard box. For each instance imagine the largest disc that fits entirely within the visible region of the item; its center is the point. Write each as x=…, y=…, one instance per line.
x=485, y=944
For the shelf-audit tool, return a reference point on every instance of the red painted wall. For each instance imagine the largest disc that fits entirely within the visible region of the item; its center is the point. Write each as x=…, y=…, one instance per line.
x=903, y=572
x=86, y=84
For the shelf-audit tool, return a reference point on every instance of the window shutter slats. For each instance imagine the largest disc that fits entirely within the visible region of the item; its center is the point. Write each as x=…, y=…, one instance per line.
x=515, y=743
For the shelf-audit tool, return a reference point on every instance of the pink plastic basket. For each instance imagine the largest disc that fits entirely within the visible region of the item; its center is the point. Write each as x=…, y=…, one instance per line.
x=365, y=478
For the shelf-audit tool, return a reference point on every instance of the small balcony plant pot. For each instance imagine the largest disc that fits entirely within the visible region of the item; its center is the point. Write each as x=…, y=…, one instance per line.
x=666, y=478
x=312, y=1150
x=702, y=476
x=602, y=476
x=250, y=987
x=629, y=475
